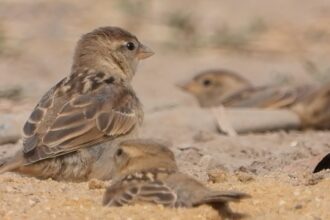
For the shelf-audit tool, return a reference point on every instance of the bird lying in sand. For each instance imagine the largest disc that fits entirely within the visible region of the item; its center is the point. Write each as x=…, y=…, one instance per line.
x=68, y=134
x=145, y=171
x=222, y=87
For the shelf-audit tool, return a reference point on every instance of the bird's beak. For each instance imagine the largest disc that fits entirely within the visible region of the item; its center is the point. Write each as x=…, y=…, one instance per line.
x=144, y=52
x=183, y=85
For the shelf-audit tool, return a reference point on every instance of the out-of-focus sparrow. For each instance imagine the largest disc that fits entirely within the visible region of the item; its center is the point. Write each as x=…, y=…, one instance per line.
x=145, y=171
x=210, y=86
x=223, y=87
x=62, y=139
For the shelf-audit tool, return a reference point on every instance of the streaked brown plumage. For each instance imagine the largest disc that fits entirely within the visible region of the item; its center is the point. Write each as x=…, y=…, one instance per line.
x=314, y=109
x=310, y=103
x=93, y=105
x=222, y=87
x=145, y=171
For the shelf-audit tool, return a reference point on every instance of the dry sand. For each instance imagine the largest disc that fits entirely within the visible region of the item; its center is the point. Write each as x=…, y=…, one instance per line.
x=274, y=167
x=274, y=197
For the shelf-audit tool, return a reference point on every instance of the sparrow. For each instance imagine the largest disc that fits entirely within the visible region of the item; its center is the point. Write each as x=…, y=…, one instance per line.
x=77, y=120
x=209, y=86
x=145, y=171
x=223, y=87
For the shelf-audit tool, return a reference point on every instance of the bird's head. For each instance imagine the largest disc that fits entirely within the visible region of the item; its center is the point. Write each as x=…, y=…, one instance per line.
x=213, y=84
x=142, y=154
x=110, y=49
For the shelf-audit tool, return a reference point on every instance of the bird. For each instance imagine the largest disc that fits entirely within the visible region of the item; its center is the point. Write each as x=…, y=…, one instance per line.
x=70, y=132
x=224, y=87
x=210, y=85
x=145, y=171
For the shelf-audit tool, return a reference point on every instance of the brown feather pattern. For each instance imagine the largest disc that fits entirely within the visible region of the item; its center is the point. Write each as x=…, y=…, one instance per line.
x=69, y=116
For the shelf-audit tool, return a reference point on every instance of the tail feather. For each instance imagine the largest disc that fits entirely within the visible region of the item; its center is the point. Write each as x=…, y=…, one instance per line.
x=224, y=197
x=219, y=201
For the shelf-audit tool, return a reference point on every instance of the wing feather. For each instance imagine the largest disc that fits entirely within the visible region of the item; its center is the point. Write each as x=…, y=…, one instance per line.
x=140, y=192
x=263, y=97
x=63, y=123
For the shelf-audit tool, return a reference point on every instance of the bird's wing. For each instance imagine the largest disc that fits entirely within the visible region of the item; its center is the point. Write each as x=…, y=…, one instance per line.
x=59, y=124
x=146, y=192
x=263, y=97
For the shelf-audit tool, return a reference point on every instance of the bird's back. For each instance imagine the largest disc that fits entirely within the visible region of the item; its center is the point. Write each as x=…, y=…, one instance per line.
x=267, y=97
x=69, y=116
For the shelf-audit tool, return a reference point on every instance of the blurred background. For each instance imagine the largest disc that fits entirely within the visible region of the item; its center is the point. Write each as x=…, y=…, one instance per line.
x=282, y=41
x=267, y=42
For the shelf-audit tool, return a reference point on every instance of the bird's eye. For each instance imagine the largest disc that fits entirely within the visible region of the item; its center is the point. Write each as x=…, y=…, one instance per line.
x=119, y=152
x=207, y=82
x=130, y=45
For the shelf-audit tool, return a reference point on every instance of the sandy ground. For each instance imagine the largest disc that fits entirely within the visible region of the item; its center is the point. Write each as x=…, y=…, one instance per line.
x=273, y=198
x=274, y=167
